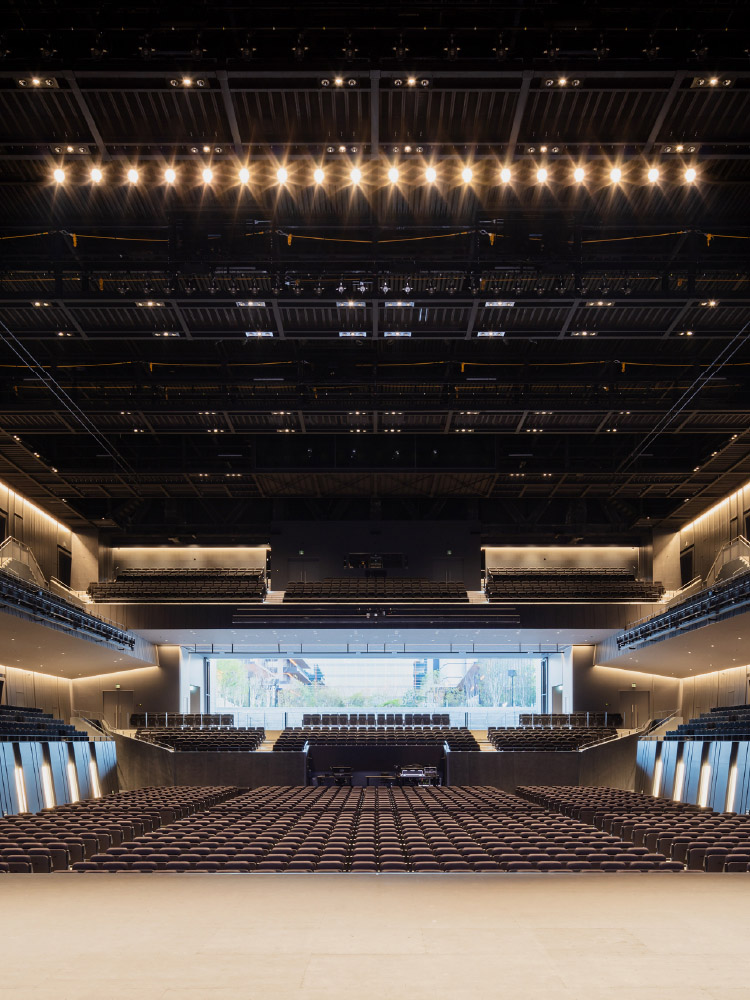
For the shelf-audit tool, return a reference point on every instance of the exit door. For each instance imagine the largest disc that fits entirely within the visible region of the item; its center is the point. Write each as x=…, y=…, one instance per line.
x=635, y=708
x=117, y=707
x=303, y=570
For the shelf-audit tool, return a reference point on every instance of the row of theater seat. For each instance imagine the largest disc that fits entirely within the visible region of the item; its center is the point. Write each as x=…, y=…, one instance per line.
x=62, y=837
x=374, y=589
x=574, y=719
x=696, y=838
x=24, y=725
x=549, y=740
x=540, y=585
x=277, y=829
x=725, y=723
x=182, y=740
x=161, y=720
x=178, y=584
x=381, y=718
x=295, y=738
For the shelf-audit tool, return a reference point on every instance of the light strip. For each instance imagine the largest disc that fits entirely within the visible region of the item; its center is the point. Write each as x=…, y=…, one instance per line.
x=679, y=780
x=75, y=794
x=658, y=769
x=48, y=790
x=33, y=507
x=704, y=784
x=96, y=789
x=717, y=506
x=731, y=789
x=23, y=805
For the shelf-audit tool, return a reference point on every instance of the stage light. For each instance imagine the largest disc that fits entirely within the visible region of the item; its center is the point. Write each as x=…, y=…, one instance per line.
x=411, y=81
x=690, y=174
x=505, y=175
x=615, y=175
x=170, y=175
x=714, y=81
x=653, y=175
x=466, y=175
x=541, y=175
x=339, y=81
x=282, y=175
x=133, y=175
x=187, y=82
x=355, y=175
x=244, y=175
x=207, y=175
x=393, y=175
x=562, y=82
x=430, y=175
x=579, y=175
x=96, y=175
x=319, y=176
x=59, y=175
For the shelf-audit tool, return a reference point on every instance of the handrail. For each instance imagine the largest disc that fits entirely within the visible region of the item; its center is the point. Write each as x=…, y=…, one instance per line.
x=24, y=556
x=737, y=548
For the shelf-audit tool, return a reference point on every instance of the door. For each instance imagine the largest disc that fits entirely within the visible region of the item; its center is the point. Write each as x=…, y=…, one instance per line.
x=117, y=707
x=557, y=699
x=635, y=708
x=303, y=570
x=195, y=699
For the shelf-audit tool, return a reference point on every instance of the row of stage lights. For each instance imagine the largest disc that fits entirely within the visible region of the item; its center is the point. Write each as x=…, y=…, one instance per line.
x=543, y=175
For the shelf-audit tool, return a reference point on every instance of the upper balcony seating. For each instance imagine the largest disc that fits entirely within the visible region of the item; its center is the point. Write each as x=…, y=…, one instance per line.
x=548, y=740
x=412, y=589
x=204, y=584
x=382, y=719
x=192, y=739
x=457, y=738
x=27, y=725
x=531, y=584
x=724, y=723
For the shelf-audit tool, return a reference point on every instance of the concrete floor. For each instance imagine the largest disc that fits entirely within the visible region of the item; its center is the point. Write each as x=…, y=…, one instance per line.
x=421, y=937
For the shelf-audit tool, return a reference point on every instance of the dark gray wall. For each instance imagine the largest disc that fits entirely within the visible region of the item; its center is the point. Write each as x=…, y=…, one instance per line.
x=597, y=688
x=31, y=758
x=156, y=689
x=612, y=764
x=425, y=544
x=140, y=765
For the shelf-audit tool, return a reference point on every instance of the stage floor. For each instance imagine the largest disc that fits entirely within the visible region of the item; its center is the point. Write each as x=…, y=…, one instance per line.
x=374, y=937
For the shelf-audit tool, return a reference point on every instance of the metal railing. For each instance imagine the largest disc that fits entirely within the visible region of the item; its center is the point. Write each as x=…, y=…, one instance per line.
x=14, y=551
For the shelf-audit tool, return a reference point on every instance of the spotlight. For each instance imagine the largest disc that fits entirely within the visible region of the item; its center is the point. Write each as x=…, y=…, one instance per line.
x=579, y=175
x=355, y=175
x=207, y=175
x=299, y=48
x=318, y=288
x=282, y=175
x=653, y=175
x=133, y=175
x=615, y=175
x=430, y=175
x=96, y=175
x=411, y=81
x=505, y=175
x=541, y=175
x=339, y=81
x=384, y=286
x=341, y=287
x=562, y=82
x=690, y=174
x=59, y=175
x=466, y=175
x=319, y=176
x=408, y=287
x=393, y=175
x=170, y=175
x=244, y=175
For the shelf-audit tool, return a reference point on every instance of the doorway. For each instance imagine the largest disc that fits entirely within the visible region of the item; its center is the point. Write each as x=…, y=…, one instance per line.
x=195, y=699
x=117, y=707
x=303, y=570
x=635, y=708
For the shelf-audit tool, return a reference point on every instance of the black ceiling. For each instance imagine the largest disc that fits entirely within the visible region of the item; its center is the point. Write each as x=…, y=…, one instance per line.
x=547, y=359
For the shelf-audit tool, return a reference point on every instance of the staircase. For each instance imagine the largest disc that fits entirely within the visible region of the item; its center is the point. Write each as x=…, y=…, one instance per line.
x=267, y=745
x=480, y=735
x=274, y=597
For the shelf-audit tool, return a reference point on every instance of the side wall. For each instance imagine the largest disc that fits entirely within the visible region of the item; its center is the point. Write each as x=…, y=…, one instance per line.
x=155, y=689
x=33, y=690
x=597, y=688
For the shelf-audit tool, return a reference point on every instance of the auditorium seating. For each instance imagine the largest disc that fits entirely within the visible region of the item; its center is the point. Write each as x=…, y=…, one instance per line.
x=724, y=723
x=295, y=738
x=375, y=589
x=73, y=835
x=382, y=719
x=24, y=725
x=233, y=739
x=690, y=836
x=303, y=829
x=548, y=740
x=520, y=583
x=161, y=720
x=181, y=584
x=571, y=719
